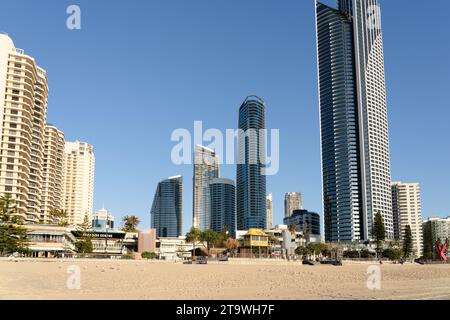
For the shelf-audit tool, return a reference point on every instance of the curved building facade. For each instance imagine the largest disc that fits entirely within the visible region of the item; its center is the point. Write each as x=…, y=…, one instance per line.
x=251, y=180
x=223, y=205
x=167, y=208
x=52, y=178
x=354, y=127
x=23, y=104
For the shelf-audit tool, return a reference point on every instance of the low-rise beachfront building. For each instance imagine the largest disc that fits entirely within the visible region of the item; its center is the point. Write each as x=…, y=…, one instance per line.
x=48, y=241
x=175, y=248
x=255, y=244
x=112, y=243
x=282, y=241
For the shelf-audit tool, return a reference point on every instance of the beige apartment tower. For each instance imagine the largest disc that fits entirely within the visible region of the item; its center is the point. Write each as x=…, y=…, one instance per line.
x=407, y=210
x=23, y=108
x=52, y=178
x=78, y=181
x=292, y=202
x=269, y=208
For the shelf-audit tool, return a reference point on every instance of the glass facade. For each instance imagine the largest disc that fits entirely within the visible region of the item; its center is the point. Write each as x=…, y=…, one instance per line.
x=167, y=208
x=306, y=221
x=251, y=180
x=223, y=205
x=354, y=133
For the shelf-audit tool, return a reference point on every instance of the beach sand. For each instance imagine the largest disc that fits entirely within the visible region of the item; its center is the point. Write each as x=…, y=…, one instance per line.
x=174, y=281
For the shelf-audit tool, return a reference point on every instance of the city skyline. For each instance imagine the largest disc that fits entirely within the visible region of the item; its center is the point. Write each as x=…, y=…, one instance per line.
x=410, y=149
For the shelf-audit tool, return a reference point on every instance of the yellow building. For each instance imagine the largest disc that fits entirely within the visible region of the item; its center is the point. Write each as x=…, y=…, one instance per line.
x=255, y=244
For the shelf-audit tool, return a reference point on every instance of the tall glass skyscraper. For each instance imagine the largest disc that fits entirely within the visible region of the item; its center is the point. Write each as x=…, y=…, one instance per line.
x=206, y=168
x=167, y=208
x=251, y=179
x=223, y=205
x=354, y=126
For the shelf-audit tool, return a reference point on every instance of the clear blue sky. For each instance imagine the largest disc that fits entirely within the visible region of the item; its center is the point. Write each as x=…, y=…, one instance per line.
x=137, y=70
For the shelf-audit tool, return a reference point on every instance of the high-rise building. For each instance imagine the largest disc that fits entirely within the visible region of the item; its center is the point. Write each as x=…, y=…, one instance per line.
x=306, y=221
x=292, y=202
x=407, y=210
x=440, y=228
x=206, y=168
x=78, y=181
x=23, y=104
x=167, y=208
x=269, y=206
x=103, y=220
x=52, y=173
x=251, y=179
x=223, y=205
x=354, y=125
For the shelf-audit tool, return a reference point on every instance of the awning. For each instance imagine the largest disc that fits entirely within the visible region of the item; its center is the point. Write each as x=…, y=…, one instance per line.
x=48, y=249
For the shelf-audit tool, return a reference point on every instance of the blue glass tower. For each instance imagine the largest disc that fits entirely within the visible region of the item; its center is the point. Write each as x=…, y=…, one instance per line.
x=223, y=205
x=251, y=180
x=167, y=208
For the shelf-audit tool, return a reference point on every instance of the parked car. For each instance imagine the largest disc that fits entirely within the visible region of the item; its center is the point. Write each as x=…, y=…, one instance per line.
x=201, y=260
x=223, y=258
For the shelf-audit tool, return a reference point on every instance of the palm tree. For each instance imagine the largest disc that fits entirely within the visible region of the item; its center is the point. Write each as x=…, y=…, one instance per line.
x=208, y=236
x=193, y=237
x=130, y=223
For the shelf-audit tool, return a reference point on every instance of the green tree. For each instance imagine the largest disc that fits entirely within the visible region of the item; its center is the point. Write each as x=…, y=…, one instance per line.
x=8, y=213
x=149, y=255
x=293, y=228
x=60, y=217
x=84, y=243
x=13, y=237
x=232, y=246
x=303, y=251
x=222, y=237
x=393, y=254
x=378, y=232
x=130, y=223
x=210, y=237
x=407, y=242
x=193, y=237
x=319, y=248
x=427, y=241
x=273, y=240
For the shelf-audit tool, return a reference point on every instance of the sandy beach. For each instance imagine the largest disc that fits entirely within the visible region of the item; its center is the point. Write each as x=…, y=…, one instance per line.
x=157, y=280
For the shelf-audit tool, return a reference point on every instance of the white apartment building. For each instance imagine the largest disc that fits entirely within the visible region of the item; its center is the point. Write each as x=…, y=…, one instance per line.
x=269, y=208
x=23, y=110
x=78, y=181
x=440, y=228
x=206, y=168
x=407, y=210
x=52, y=178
